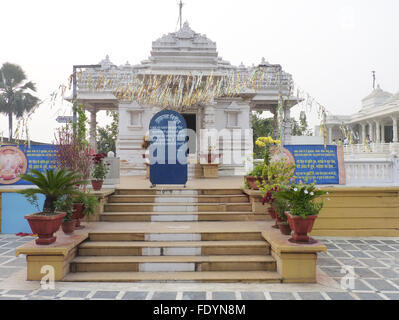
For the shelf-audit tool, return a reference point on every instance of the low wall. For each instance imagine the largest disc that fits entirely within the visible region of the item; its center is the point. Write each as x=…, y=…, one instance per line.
x=352, y=211
x=14, y=207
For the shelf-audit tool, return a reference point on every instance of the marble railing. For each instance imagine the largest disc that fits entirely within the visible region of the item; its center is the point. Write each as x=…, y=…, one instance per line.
x=368, y=172
x=386, y=148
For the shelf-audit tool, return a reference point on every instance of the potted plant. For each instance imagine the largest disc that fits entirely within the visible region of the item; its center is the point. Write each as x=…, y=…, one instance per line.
x=258, y=174
x=281, y=207
x=65, y=204
x=100, y=171
x=276, y=174
x=269, y=199
x=254, y=178
x=304, y=208
x=53, y=184
x=91, y=204
x=78, y=206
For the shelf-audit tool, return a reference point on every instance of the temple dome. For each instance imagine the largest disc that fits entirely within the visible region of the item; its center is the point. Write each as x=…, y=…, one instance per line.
x=185, y=51
x=376, y=98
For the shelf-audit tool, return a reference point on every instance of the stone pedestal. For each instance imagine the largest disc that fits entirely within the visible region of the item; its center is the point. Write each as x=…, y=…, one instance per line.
x=295, y=263
x=210, y=170
x=255, y=198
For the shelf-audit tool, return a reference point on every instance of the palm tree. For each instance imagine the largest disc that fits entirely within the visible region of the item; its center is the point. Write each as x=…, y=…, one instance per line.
x=14, y=98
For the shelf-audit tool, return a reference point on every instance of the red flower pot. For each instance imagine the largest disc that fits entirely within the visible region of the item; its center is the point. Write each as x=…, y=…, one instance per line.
x=68, y=226
x=97, y=184
x=274, y=215
x=301, y=227
x=285, y=228
x=252, y=182
x=272, y=212
x=77, y=214
x=45, y=226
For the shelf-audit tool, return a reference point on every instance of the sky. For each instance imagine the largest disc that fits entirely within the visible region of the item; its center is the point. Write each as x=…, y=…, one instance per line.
x=329, y=46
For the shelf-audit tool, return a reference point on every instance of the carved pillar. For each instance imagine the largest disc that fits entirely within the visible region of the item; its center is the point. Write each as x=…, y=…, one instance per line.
x=377, y=132
x=371, y=131
x=287, y=125
x=395, y=130
x=330, y=139
x=382, y=133
x=93, y=129
x=363, y=138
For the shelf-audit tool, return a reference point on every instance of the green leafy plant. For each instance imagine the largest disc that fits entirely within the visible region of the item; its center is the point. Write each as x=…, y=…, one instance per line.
x=302, y=199
x=257, y=171
x=278, y=172
x=65, y=204
x=53, y=184
x=89, y=201
x=281, y=206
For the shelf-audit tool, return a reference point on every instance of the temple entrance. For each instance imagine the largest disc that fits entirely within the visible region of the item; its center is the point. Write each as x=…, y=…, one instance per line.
x=191, y=121
x=168, y=149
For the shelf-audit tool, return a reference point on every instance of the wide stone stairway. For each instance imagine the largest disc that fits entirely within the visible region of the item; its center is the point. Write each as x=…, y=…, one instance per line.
x=179, y=235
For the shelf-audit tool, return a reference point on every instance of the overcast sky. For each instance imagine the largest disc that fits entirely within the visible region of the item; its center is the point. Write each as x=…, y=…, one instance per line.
x=329, y=46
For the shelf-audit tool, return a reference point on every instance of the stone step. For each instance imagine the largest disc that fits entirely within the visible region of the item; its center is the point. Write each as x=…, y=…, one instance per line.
x=181, y=216
x=178, y=198
x=205, y=276
x=177, y=206
x=181, y=191
x=173, y=248
x=173, y=263
x=174, y=235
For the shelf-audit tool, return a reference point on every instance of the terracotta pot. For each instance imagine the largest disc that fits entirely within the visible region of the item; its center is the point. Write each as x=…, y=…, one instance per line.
x=77, y=214
x=252, y=182
x=45, y=226
x=301, y=227
x=97, y=184
x=285, y=228
x=69, y=226
x=272, y=212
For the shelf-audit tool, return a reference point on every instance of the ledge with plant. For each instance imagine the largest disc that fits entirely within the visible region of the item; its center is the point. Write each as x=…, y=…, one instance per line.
x=53, y=184
x=100, y=171
x=304, y=205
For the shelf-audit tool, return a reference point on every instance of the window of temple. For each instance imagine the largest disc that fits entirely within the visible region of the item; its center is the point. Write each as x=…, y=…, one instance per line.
x=136, y=118
x=232, y=119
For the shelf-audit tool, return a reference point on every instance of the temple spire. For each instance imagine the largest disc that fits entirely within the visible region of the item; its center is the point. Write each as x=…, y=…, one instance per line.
x=181, y=4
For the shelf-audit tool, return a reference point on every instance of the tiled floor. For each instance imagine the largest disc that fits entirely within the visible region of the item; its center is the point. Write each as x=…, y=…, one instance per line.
x=374, y=261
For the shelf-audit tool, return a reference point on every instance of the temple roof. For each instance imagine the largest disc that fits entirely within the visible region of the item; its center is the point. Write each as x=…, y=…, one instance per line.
x=375, y=98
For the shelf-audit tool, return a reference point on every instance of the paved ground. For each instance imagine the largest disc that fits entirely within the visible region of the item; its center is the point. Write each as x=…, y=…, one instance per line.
x=375, y=262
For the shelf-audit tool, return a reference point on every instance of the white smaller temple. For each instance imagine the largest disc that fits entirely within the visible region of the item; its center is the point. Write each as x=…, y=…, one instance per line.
x=373, y=129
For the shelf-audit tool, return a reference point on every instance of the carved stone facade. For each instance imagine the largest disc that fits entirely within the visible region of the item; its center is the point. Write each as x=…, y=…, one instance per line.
x=185, y=53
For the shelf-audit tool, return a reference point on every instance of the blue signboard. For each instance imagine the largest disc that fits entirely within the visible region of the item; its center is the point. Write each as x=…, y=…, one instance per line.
x=168, y=149
x=17, y=160
x=321, y=165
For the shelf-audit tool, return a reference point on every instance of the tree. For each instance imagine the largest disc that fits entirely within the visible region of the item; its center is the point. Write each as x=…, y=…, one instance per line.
x=107, y=136
x=14, y=98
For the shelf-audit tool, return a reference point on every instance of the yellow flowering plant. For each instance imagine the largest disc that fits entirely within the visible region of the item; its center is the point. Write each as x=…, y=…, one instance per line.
x=266, y=142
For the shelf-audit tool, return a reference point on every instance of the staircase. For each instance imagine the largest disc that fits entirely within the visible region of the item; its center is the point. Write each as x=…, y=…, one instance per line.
x=168, y=250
